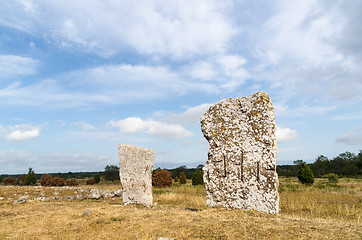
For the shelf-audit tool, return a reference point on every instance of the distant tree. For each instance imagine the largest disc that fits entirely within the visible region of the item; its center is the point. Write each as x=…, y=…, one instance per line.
x=320, y=166
x=97, y=177
x=305, y=174
x=30, y=178
x=182, y=178
x=297, y=162
x=177, y=171
x=176, y=179
x=197, y=177
x=111, y=172
x=200, y=166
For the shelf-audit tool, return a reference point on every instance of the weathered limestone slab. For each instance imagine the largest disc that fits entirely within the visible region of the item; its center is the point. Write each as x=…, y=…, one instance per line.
x=135, y=171
x=241, y=170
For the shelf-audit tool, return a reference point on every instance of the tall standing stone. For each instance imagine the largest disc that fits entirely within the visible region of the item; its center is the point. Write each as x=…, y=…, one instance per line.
x=241, y=170
x=135, y=171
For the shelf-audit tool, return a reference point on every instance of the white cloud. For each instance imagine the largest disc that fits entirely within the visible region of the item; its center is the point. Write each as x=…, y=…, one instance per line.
x=285, y=134
x=178, y=29
x=352, y=137
x=19, y=132
x=311, y=48
x=151, y=127
x=11, y=65
x=113, y=84
x=84, y=125
x=190, y=117
x=23, y=135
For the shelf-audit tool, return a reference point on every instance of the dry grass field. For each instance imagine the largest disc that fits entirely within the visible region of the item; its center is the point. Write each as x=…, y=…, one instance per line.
x=322, y=211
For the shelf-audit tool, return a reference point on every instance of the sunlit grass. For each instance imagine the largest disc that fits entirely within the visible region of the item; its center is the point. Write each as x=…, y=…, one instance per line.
x=317, y=212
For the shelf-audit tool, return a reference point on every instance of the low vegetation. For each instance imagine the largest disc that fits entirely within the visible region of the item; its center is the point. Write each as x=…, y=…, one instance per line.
x=322, y=211
x=162, y=178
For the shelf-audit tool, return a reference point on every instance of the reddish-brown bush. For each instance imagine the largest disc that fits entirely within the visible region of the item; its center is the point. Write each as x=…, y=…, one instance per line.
x=21, y=180
x=91, y=181
x=45, y=178
x=162, y=178
x=56, y=182
x=10, y=181
x=71, y=182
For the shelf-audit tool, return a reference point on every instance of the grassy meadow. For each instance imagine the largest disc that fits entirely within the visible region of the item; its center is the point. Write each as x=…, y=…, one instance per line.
x=322, y=211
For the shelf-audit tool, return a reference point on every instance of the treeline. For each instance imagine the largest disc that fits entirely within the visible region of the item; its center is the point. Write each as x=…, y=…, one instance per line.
x=345, y=165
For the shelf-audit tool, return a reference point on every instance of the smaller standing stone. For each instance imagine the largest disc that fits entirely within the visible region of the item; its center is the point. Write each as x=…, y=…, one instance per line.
x=135, y=170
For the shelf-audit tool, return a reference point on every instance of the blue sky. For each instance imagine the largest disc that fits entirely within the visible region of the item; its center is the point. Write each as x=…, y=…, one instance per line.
x=77, y=78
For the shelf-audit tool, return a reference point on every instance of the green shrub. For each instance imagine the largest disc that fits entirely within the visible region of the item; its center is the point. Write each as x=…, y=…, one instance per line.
x=305, y=174
x=97, y=178
x=111, y=172
x=30, y=178
x=197, y=177
x=177, y=179
x=332, y=177
x=182, y=178
x=162, y=178
x=91, y=181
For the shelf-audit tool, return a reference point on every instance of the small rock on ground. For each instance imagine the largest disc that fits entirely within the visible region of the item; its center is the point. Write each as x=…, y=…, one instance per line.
x=86, y=212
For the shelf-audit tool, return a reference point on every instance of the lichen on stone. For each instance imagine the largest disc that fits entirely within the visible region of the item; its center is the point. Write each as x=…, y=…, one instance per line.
x=241, y=170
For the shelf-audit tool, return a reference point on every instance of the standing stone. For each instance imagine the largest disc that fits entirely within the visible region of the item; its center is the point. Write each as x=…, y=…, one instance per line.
x=135, y=171
x=241, y=171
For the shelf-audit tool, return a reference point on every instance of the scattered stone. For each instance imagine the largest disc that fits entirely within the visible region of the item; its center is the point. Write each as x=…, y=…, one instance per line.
x=22, y=199
x=1, y=198
x=56, y=193
x=164, y=238
x=135, y=170
x=80, y=197
x=241, y=171
x=108, y=194
x=42, y=199
x=86, y=212
x=95, y=194
x=118, y=193
x=70, y=198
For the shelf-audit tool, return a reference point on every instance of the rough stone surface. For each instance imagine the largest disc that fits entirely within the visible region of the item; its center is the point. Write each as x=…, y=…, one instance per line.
x=22, y=199
x=241, y=170
x=135, y=170
x=95, y=194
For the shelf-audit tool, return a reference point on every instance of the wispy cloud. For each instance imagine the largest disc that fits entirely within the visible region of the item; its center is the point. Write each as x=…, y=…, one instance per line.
x=84, y=125
x=11, y=65
x=151, y=127
x=352, y=137
x=189, y=117
x=181, y=29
